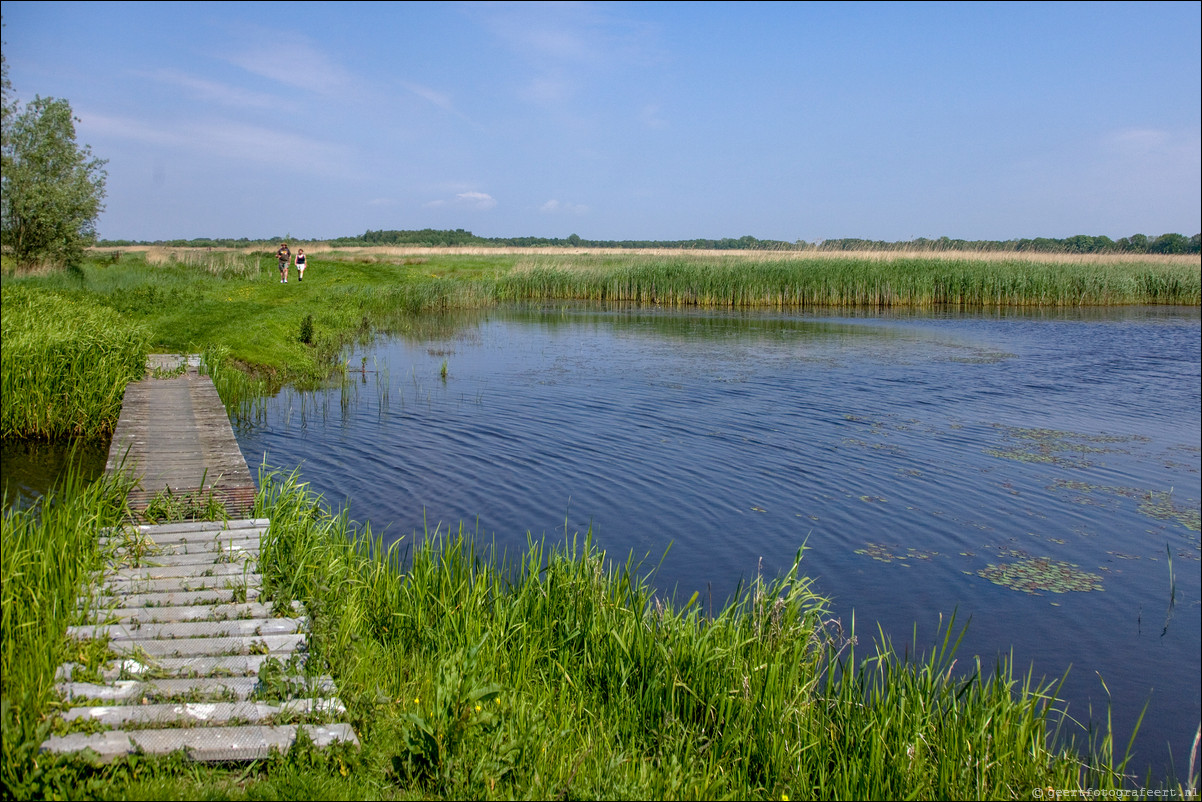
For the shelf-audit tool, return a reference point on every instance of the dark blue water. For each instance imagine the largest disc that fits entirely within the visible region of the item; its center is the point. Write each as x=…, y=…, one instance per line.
x=1036, y=474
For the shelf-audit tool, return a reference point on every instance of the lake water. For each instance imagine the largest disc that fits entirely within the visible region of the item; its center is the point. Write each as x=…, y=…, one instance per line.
x=930, y=464
x=1036, y=473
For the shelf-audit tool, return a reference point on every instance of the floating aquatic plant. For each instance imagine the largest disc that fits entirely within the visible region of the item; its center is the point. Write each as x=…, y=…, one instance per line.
x=892, y=449
x=1156, y=504
x=1037, y=574
x=1054, y=447
x=887, y=554
x=1159, y=505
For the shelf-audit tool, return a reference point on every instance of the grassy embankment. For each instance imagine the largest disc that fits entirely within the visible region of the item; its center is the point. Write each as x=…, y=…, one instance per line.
x=561, y=676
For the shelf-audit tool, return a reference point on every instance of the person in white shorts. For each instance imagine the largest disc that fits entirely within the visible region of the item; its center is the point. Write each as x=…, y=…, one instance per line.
x=300, y=264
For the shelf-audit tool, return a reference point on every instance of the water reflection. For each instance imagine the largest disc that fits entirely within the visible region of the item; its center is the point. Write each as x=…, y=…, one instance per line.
x=30, y=468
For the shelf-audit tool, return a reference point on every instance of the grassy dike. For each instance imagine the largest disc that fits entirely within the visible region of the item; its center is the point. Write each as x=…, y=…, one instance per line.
x=557, y=675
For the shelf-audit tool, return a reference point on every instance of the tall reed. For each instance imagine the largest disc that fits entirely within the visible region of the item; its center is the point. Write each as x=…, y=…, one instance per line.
x=562, y=673
x=47, y=554
x=222, y=262
x=843, y=282
x=66, y=362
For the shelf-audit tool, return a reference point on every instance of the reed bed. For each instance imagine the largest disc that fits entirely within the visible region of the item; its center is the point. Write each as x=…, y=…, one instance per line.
x=160, y=255
x=920, y=282
x=221, y=262
x=66, y=362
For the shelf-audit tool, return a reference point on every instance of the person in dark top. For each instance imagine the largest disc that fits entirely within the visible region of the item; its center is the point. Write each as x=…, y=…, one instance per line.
x=300, y=264
x=285, y=257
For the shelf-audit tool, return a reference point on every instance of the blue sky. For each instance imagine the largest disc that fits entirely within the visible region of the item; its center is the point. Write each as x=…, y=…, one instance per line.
x=790, y=121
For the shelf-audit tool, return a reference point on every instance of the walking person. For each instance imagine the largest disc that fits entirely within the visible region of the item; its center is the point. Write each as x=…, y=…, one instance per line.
x=285, y=258
x=300, y=264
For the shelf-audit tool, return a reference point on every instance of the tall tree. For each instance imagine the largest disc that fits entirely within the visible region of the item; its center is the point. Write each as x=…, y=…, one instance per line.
x=51, y=189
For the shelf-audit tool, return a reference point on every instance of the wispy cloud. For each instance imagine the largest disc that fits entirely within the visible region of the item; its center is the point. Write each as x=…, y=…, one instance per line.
x=547, y=89
x=122, y=128
x=439, y=99
x=554, y=206
x=571, y=33
x=568, y=44
x=226, y=140
x=213, y=91
x=297, y=63
x=480, y=201
x=651, y=117
x=1152, y=144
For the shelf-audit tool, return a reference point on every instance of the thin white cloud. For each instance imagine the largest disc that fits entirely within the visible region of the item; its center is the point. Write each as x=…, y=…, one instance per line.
x=568, y=44
x=651, y=118
x=479, y=201
x=213, y=91
x=297, y=63
x=226, y=140
x=571, y=33
x=554, y=206
x=120, y=128
x=546, y=89
x=1150, y=143
x=439, y=99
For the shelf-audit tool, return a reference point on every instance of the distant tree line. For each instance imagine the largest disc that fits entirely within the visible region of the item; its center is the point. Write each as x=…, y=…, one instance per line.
x=1081, y=243
x=429, y=237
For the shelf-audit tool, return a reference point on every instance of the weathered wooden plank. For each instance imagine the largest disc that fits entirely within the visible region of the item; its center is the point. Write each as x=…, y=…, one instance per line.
x=196, y=655
x=240, y=665
x=202, y=713
x=173, y=433
x=201, y=744
x=192, y=629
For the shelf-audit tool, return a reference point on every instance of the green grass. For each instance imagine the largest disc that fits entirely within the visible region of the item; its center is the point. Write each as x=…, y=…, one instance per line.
x=559, y=674
x=66, y=361
x=46, y=555
x=236, y=309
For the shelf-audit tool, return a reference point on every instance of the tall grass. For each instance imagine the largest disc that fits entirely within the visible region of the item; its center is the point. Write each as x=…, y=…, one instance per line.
x=842, y=282
x=46, y=556
x=66, y=361
x=557, y=674
x=221, y=262
x=562, y=674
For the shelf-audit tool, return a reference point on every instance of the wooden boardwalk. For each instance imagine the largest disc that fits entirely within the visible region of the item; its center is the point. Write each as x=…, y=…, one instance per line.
x=174, y=435
x=193, y=659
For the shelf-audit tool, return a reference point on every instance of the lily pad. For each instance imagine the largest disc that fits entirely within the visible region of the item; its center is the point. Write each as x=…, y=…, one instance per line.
x=1039, y=574
x=887, y=554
